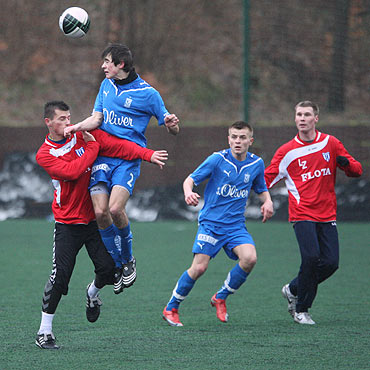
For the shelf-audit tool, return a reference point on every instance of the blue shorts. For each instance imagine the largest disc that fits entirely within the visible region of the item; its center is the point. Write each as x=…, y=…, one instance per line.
x=113, y=171
x=209, y=240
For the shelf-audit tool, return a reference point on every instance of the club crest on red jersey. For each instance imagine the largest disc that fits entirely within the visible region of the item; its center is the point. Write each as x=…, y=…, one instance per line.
x=326, y=156
x=80, y=151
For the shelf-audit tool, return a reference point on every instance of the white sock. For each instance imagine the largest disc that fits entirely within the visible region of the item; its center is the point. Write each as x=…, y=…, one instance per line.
x=93, y=290
x=46, y=326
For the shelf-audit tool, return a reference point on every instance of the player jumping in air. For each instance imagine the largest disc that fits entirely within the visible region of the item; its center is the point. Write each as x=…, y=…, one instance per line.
x=308, y=163
x=232, y=173
x=123, y=107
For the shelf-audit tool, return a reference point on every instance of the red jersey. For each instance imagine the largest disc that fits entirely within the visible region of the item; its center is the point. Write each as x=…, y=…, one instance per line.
x=309, y=170
x=68, y=165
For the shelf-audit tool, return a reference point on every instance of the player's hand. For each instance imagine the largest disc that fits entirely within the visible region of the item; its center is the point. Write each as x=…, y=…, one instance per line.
x=342, y=161
x=192, y=199
x=171, y=120
x=69, y=130
x=172, y=123
x=267, y=210
x=87, y=136
x=158, y=157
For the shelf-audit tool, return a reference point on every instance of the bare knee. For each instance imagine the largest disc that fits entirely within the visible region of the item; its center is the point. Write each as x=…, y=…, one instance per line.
x=115, y=211
x=119, y=216
x=102, y=217
x=248, y=262
x=247, y=256
x=197, y=270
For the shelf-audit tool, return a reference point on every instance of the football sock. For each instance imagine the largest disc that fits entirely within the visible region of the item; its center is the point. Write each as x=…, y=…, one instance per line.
x=182, y=289
x=125, y=235
x=235, y=278
x=108, y=237
x=93, y=290
x=46, y=326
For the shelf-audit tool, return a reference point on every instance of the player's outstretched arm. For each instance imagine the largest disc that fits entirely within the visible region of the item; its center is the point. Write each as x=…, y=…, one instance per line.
x=172, y=123
x=267, y=208
x=88, y=124
x=349, y=165
x=191, y=198
x=158, y=158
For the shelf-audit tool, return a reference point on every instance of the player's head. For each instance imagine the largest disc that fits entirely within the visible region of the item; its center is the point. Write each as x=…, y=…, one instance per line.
x=306, y=117
x=57, y=117
x=51, y=106
x=308, y=104
x=119, y=53
x=240, y=125
x=240, y=139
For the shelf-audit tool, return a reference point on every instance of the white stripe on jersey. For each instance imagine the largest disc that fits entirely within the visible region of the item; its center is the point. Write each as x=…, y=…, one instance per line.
x=65, y=148
x=58, y=189
x=291, y=156
x=302, y=143
x=129, y=90
x=242, y=168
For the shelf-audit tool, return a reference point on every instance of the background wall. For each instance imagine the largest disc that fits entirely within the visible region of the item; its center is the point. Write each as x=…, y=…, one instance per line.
x=26, y=191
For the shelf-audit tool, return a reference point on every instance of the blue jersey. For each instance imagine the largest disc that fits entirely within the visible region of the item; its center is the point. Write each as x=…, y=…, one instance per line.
x=229, y=185
x=128, y=108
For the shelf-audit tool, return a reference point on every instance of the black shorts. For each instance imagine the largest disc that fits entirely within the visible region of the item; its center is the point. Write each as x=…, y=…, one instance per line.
x=68, y=240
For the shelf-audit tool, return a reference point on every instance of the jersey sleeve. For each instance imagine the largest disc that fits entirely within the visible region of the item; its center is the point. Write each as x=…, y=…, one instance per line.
x=60, y=169
x=98, y=106
x=354, y=169
x=112, y=146
x=157, y=107
x=272, y=172
x=205, y=169
x=259, y=183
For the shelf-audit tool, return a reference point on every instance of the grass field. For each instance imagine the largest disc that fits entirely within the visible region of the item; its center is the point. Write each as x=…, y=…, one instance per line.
x=130, y=333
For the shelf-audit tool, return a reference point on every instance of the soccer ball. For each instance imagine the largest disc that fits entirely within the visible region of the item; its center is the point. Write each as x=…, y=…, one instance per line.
x=74, y=22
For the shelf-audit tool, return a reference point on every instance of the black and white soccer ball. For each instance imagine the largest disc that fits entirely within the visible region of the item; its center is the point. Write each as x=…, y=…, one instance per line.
x=74, y=22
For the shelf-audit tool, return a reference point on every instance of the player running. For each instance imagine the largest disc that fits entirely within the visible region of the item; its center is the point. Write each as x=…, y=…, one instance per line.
x=308, y=163
x=232, y=173
x=68, y=163
x=123, y=107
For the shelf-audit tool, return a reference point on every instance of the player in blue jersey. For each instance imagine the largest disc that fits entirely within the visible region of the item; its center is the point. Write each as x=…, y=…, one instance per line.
x=123, y=107
x=231, y=174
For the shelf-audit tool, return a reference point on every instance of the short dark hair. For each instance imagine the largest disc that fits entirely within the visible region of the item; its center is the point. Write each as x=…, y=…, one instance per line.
x=51, y=106
x=239, y=125
x=119, y=53
x=308, y=103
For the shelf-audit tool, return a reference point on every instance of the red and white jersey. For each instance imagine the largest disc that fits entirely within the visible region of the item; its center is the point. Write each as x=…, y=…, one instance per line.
x=309, y=170
x=68, y=165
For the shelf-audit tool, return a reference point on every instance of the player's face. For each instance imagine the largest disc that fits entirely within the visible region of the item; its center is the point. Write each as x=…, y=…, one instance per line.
x=110, y=69
x=240, y=141
x=58, y=123
x=305, y=120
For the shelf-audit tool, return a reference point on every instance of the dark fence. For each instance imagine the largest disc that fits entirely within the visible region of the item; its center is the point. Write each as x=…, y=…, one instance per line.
x=193, y=145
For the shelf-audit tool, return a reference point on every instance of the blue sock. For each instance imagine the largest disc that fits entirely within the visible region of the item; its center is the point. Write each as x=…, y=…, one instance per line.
x=235, y=278
x=108, y=236
x=182, y=289
x=125, y=235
